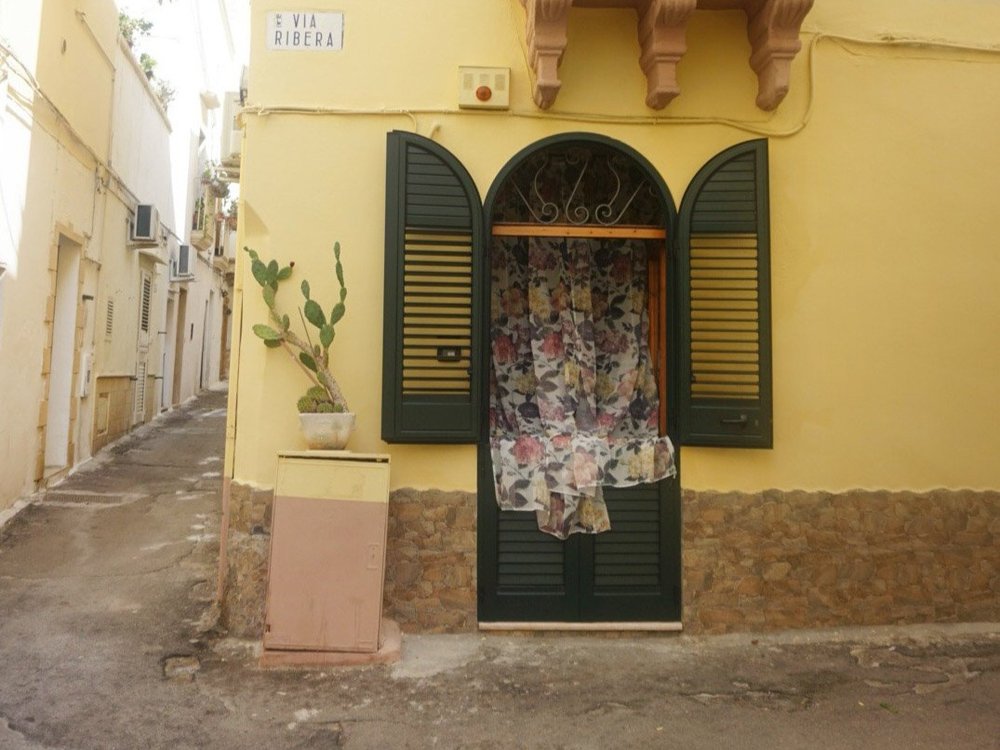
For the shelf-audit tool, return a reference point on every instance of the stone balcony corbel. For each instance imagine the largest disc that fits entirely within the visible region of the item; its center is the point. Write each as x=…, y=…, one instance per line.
x=662, y=24
x=662, y=28
x=546, y=32
x=773, y=28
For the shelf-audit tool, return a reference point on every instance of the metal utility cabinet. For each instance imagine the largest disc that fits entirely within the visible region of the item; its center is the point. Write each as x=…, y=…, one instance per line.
x=327, y=566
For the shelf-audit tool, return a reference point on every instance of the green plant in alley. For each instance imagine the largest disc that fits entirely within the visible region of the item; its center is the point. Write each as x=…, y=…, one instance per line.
x=312, y=357
x=133, y=27
x=148, y=65
x=164, y=92
x=214, y=179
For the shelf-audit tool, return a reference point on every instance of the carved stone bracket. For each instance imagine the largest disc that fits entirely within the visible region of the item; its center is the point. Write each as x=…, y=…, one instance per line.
x=547, y=39
x=772, y=27
x=662, y=26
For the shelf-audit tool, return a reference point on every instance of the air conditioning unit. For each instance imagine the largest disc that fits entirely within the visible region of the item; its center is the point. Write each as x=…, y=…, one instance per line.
x=146, y=226
x=180, y=264
x=231, y=136
x=184, y=261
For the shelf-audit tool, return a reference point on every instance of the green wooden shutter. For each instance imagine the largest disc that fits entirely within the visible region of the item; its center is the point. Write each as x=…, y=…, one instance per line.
x=725, y=305
x=433, y=253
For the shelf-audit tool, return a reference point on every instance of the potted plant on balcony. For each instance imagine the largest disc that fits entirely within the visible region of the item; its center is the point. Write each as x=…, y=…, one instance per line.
x=324, y=416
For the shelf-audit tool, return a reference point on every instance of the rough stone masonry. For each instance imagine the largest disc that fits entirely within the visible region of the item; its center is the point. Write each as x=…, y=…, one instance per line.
x=751, y=561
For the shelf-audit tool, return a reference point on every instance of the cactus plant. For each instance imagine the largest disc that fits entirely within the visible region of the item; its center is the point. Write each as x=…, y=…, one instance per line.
x=314, y=358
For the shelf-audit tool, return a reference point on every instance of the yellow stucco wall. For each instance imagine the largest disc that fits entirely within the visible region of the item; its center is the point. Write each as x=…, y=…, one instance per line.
x=884, y=166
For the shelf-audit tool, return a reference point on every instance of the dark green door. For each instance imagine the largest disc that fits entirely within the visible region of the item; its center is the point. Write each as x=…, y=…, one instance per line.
x=631, y=573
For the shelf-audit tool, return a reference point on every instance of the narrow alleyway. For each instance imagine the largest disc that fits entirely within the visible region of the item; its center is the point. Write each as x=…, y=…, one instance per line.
x=104, y=582
x=106, y=641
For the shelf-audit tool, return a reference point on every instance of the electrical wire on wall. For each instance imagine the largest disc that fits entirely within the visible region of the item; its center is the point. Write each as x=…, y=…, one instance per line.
x=761, y=128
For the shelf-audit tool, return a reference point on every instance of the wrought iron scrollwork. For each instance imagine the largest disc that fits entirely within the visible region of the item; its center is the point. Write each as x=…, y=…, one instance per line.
x=577, y=186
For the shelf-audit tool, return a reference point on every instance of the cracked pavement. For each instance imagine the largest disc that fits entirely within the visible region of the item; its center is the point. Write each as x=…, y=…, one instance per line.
x=108, y=640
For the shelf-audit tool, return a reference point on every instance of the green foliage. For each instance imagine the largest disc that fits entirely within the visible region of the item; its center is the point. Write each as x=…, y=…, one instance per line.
x=316, y=401
x=337, y=313
x=308, y=361
x=339, y=269
x=164, y=92
x=324, y=395
x=326, y=336
x=314, y=313
x=259, y=271
x=267, y=333
x=132, y=28
x=148, y=64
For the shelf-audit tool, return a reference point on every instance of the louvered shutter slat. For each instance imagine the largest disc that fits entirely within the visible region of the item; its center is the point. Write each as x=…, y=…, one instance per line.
x=724, y=262
x=432, y=300
x=147, y=290
x=527, y=559
x=630, y=555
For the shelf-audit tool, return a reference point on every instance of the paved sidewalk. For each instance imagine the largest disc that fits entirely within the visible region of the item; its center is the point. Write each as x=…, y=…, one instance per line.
x=106, y=641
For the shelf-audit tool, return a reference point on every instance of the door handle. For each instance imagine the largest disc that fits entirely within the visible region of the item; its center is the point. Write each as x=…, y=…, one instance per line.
x=741, y=420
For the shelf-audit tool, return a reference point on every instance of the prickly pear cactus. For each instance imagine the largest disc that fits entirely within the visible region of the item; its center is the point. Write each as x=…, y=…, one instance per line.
x=318, y=400
x=313, y=357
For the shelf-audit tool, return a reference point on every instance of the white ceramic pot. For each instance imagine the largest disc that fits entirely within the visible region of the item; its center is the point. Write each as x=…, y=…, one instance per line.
x=327, y=431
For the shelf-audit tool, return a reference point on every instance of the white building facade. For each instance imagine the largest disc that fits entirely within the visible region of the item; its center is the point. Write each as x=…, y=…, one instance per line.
x=114, y=275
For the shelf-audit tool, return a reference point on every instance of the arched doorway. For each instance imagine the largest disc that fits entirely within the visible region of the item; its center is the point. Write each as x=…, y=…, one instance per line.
x=578, y=228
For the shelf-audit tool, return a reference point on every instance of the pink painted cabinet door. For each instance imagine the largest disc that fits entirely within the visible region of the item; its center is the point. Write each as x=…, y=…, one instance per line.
x=327, y=564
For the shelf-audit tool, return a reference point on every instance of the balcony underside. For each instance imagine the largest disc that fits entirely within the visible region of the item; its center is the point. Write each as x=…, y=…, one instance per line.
x=772, y=28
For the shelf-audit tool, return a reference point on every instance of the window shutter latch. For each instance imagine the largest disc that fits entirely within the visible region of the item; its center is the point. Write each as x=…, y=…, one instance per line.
x=741, y=420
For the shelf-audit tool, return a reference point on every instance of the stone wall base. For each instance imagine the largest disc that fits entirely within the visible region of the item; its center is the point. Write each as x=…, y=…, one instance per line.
x=248, y=548
x=430, y=581
x=751, y=561
x=113, y=410
x=776, y=560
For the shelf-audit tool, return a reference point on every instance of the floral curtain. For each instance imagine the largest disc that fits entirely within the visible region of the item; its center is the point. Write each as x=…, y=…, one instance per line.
x=573, y=398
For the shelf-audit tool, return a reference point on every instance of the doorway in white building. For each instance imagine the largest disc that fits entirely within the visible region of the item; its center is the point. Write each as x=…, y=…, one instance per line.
x=181, y=329
x=205, y=378
x=142, y=347
x=58, y=413
x=169, y=348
